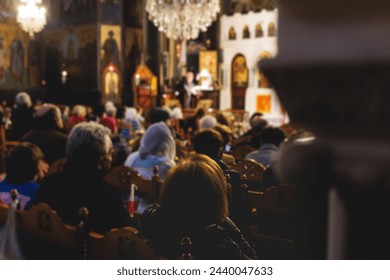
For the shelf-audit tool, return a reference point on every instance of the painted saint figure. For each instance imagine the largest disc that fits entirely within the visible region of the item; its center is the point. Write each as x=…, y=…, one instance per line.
x=111, y=50
x=2, y=59
x=17, y=59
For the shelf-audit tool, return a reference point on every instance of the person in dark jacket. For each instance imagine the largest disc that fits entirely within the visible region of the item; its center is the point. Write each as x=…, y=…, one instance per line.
x=22, y=115
x=47, y=133
x=194, y=204
x=89, y=156
x=209, y=142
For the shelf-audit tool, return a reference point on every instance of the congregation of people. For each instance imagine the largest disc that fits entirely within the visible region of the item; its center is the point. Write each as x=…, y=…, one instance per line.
x=194, y=156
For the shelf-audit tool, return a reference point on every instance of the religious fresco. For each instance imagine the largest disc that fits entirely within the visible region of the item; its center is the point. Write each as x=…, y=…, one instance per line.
x=244, y=6
x=208, y=60
x=133, y=47
x=239, y=71
x=259, y=31
x=110, y=11
x=14, y=46
x=134, y=13
x=73, y=49
x=133, y=53
x=111, y=62
x=263, y=103
x=71, y=11
x=110, y=45
x=239, y=82
x=8, y=8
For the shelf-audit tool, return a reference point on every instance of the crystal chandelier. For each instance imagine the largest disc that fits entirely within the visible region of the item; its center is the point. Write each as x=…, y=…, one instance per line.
x=31, y=17
x=182, y=19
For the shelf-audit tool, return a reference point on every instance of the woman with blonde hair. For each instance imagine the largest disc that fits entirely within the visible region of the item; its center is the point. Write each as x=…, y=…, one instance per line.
x=194, y=204
x=78, y=115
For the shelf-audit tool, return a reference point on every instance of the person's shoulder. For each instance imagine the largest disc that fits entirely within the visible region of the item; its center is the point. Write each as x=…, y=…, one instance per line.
x=252, y=155
x=131, y=158
x=4, y=185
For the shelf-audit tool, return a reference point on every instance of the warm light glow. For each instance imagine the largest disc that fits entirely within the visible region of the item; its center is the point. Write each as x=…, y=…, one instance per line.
x=64, y=76
x=137, y=79
x=182, y=19
x=31, y=17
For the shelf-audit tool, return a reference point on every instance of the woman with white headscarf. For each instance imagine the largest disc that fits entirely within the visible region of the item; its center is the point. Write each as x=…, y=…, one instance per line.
x=157, y=149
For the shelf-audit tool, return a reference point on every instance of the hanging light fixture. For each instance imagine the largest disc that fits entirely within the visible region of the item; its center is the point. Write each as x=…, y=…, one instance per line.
x=31, y=16
x=182, y=19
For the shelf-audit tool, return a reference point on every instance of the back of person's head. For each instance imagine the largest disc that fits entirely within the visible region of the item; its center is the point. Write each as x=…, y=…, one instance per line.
x=208, y=142
x=195, y=192
x=48, y=116
x=225, y=132
x=111, y=111
x=221, y=119
x=177, y=113
x=272, y=135
x=89, y=146
x=108, y=104
x=23, y=99
x=207, y=122
x=131, y=114
x=158, y=141
x=158, y=115
x=257, y=121
x=22, y=163
x=79, y=110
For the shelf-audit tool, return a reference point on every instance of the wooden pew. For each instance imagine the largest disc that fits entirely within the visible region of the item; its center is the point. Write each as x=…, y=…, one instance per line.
x=277, y=204
x=121, y=178
x=251, y=172
x=47, y=228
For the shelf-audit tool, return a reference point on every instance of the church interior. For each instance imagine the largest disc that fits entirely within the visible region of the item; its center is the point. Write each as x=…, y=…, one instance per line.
x=272, y=114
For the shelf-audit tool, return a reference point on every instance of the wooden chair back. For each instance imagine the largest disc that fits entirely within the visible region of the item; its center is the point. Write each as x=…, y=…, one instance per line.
x=250, y=169
x=120, y=244
x=121, y=178
x=239, y=152
x=42, y=222
x=274, y=210
x=277, y=199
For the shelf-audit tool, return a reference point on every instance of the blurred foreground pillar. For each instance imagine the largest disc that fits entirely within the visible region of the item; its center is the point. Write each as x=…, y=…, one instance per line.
x=332, y=74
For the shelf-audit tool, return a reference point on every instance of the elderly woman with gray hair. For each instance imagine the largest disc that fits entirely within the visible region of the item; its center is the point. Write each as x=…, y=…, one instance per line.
x=89, y=156
x=22, y=115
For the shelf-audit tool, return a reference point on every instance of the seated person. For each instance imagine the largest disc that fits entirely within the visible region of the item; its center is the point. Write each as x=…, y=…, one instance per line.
x=47, y=133
x=227, y=135
x=207, y=122
x=89, y=156
x=24, y=165
x=193, y=122
x=269, y=141
x=210, y=143
x=194, y=204
x=22, y=115
x=109, y=119
x=257, y=124
x=157, y=149
x=78, y=115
